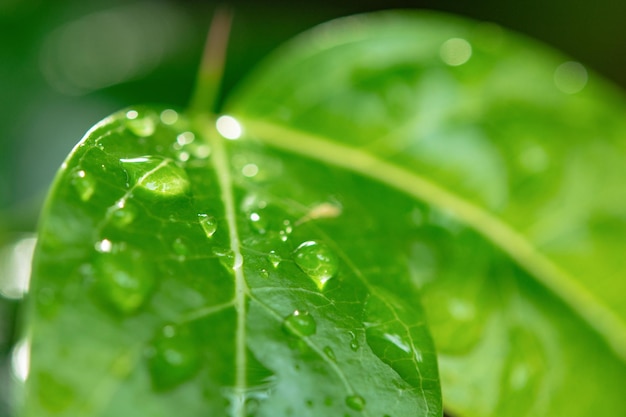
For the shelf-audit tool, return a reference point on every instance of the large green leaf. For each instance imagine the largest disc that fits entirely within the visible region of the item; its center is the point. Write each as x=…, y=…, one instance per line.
x=519, y=155
x=179, y=273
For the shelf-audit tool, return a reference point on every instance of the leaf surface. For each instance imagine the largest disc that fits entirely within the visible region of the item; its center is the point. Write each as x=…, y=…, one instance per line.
x=514, y=156
x=180, y=273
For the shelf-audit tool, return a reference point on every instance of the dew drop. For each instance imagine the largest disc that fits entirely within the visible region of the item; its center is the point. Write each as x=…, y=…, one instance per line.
x=173, y=358
x=355, y=402
x=330, y=354
x=156, y=176
x=140, y=125
x=122, y=279
x=185, y=138
x=169, y=116
x=228, y=258
x=250, y=170
x=229, y=127
x=84, y=184
x=258, y=221
x=122, y=214
x=274, y=259
x=264, y=273
x=318, y=261
x=285, y=231
x=104, y=246
x=300, y=323
x=179, y=247
x=354, y=343
x=208, y=223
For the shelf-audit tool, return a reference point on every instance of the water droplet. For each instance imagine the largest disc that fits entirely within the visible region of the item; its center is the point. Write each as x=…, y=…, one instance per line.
x=228, y=127
x=318, y=261
x=395, y=351
x=185, y=138
x=274, y=259
x=169, y=116
x=258, y=221
x=328, y=351
x=300, y=323
x=570, y=77
x=84, y=184
x=228, y=258
x=354, y=343
x=156, y=176
x=285, y=231
x=264, y=273
x=142, y=125
x=208, y=223
x=250, y=170
x=122, y=214
x=183, y=156
x=455, y=51
x=179, y=247
x=104, y=245
x=173, y=358
x=355, y=402
x=123, y=280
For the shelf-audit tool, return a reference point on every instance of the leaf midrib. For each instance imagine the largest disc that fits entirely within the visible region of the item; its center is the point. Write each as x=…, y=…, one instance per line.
x=601, y=318
x=241, y=288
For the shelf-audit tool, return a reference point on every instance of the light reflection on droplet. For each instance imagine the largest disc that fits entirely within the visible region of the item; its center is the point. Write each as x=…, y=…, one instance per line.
x=169, y=116
x=229, y=127
x=15, y=265
x=132, y=114
x=104, y=246
x=250, y=170
x=455, y=51
x=20, y=360
x=570, y=77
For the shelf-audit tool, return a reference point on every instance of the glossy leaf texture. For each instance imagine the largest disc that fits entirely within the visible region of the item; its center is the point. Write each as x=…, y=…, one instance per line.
x=182, y=273
x=515, y=158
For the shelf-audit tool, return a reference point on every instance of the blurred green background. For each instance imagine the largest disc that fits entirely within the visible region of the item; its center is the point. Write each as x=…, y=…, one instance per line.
x=66, y=64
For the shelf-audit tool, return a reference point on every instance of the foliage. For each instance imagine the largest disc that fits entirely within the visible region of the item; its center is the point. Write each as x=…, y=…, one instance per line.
x=271, y=262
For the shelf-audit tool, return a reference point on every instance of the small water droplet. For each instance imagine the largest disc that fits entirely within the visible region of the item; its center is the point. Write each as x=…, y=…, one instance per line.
x=122, y=214
x=264, y=273
x=185, y=138
x=227, y=258
x=300, y=323
x=328, y=351
x=285, y=231
x=179, y=247
x=258, y=221
x=183, y=156
x=122, y=278
x=318, y=261
x=142, y=125
x=250, y=170
x=455, y=51
x=355, y=402
x=274, y=259
x=169, y=117
x=84, y=184
x=156, y=176
x=173, y=358
x=208, y=223
x=354, y=343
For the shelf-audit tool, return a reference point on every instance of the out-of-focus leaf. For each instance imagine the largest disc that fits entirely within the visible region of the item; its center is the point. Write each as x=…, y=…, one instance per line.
x=180, y=273
x=516, y=158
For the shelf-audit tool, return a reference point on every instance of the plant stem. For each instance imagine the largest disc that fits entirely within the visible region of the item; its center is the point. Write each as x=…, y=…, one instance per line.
x=211, y=69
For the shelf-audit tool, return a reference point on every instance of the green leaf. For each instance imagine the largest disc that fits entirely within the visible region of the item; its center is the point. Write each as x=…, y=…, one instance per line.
x=180, y=273
x=515, y=157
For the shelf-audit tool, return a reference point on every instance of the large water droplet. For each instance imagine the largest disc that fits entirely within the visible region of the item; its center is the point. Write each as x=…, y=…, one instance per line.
x=173, y=358
x=318, y=261
x=355, y=402
x=123, y=279
x=208, y=223
x=300, y=323
x=156, y=176
x=84, y=184
x=141, y=125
